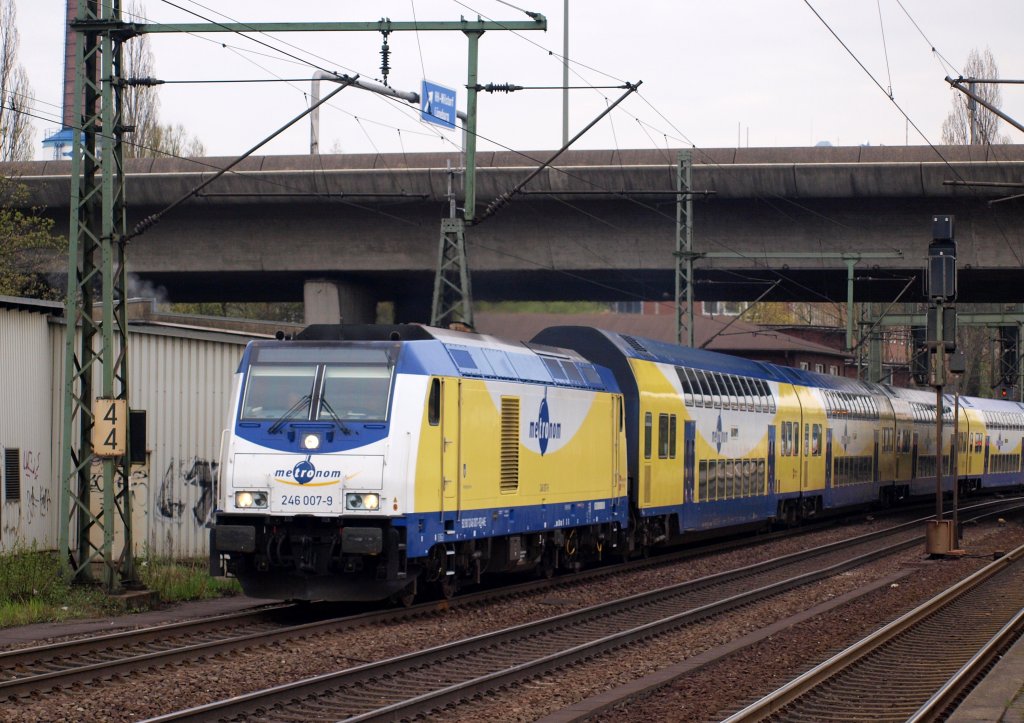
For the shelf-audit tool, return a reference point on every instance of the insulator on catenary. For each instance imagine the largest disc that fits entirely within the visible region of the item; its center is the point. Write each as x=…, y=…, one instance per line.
x=501, y=87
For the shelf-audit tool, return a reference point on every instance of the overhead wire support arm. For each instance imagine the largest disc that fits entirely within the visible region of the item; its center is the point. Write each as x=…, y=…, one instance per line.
x=504, y=198
x=511, y=87
x=481, y=26
x=958, y=84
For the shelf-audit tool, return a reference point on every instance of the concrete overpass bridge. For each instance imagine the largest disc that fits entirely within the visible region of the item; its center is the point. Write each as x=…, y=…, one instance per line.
x=600, y=226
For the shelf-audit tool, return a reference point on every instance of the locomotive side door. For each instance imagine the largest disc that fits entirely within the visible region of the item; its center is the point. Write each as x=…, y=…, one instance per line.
x=451, y=413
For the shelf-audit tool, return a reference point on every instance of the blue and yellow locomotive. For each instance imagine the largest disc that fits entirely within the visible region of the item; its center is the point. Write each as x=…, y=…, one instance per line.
x=367, y=462
x=362, y=462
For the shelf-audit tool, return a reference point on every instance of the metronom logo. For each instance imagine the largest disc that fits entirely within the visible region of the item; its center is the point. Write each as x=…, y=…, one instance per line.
x=305, y=472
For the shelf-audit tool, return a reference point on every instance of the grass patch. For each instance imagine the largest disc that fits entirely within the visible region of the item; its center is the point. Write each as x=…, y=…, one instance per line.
x=175, y=581
x=32, y=589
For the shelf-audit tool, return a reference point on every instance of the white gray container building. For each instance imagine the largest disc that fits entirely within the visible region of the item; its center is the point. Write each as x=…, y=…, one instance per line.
x=180, y=375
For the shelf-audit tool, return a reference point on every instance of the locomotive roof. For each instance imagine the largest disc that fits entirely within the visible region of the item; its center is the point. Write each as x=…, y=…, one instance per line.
x=430, y=350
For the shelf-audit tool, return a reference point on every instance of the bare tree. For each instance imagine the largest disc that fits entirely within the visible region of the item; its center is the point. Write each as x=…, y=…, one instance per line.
x=969, y=122
x=174, y=140
x=141, y=106
x=16, y=134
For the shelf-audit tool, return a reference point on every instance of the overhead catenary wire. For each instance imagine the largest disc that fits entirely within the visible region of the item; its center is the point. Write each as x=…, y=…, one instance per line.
x=370, y=120
x=931, y=145
x=504, y=198
x=151, y=220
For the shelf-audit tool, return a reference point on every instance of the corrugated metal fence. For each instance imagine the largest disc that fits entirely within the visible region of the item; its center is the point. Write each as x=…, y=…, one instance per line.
x=182, y=380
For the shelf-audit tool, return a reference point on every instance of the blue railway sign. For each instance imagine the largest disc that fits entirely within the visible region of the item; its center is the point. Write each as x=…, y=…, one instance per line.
x=437, y=104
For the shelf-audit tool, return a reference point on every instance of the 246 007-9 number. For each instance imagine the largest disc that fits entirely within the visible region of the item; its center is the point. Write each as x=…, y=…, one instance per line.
x=307, y=500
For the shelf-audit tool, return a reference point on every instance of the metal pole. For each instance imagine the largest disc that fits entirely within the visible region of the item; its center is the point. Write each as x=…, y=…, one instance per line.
x=565, y=74
x=972, y=108
x=954, y=458
x=850, y=263
x=940, y=373
x=469, y=213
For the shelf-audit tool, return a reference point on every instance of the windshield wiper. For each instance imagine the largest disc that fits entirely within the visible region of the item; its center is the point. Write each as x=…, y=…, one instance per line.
x=334, y=416
x=292, y=411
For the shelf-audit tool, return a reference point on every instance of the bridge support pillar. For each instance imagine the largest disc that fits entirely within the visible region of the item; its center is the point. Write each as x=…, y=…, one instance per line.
x=331, y=302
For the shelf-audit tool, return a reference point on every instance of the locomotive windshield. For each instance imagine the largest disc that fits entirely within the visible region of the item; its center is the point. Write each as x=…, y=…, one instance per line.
x=273, y=389
x=329, y=384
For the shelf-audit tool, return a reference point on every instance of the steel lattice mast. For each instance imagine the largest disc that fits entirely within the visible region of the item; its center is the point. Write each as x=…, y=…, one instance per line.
x=95, y=531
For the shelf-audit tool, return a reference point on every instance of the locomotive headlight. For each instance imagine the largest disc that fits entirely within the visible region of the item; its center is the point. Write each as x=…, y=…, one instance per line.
x=362, y=501
x=250, y=500
x=311, y=441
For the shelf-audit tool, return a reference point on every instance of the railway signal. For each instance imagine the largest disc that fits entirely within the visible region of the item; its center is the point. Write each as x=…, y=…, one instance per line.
x=940, y=281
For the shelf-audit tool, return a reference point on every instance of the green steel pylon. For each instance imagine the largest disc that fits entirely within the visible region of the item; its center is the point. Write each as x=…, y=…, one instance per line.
x=95, y=533
x=453, y=296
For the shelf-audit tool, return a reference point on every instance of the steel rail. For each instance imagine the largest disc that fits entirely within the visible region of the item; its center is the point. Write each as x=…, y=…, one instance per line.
x=74, y=661
x=67, y=662
x=63, y=662
x=532, y=634
x=972, y=670
x=844, y=660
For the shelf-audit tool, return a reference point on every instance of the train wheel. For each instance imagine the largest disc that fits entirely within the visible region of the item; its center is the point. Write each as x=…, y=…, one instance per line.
x=448, y=585
x=546, y=568
x=406, y=597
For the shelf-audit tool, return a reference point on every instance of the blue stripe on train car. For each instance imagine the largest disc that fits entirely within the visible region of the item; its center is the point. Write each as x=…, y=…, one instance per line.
x=423, y=531
x=852, y=494
x=702, y=516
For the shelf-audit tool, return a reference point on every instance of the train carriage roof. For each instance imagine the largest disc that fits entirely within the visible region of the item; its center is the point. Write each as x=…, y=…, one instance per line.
x=604, y=346
x=612, y=348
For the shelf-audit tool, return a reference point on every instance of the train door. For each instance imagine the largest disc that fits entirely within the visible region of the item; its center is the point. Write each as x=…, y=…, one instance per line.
x=771, y=460
x=877, y=475
x=805, y=452
x=913, y=457
x=828, y=459
x=788, y=468
x=987, y=447
x=451, y=414
x=689, y=456
x=645, y=482
x=617, y=428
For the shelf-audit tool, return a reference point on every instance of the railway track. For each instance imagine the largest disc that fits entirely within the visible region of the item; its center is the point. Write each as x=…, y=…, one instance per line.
x=45, y=667
x=917, y=667
x=428, y=680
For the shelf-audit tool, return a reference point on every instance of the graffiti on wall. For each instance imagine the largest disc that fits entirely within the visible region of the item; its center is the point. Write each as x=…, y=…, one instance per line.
x=37, y=504
x=178, y=477
x=30, y=466
x=33, y=503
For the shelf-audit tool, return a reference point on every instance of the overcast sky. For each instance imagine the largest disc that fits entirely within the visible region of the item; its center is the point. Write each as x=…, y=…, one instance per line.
x=715, y=74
